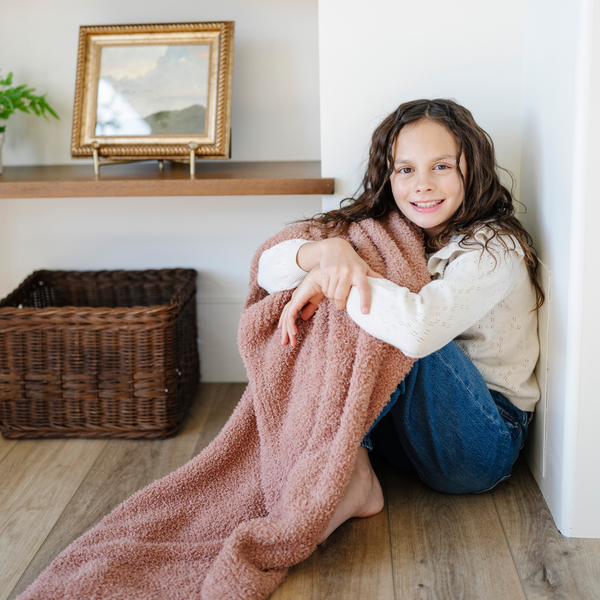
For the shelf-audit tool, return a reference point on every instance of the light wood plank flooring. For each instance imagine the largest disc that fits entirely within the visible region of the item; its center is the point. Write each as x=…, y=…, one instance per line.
x=423, y=545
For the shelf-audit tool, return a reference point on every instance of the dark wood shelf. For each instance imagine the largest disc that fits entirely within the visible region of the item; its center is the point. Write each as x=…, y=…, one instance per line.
x=213, y=178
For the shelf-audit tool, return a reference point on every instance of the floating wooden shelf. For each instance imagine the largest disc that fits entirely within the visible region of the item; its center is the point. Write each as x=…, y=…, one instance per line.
x=213, y=178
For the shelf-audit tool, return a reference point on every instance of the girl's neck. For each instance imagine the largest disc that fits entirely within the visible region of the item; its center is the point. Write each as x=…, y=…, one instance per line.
x=428, y=247
x=430, y=233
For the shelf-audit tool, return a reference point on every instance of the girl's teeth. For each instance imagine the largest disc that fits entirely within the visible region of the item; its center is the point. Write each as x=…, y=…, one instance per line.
x=427, y=204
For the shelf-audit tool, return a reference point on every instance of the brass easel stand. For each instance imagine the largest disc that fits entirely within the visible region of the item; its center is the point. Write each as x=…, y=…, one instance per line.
x=193, y=146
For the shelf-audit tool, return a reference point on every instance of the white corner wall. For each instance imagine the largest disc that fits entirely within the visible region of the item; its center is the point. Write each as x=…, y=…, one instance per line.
x=549, y=109
x=583, y=518
x=275, y=116
x=560, y=150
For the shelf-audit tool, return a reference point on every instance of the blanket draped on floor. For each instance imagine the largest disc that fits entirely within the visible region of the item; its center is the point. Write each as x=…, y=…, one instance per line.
x=229, y=523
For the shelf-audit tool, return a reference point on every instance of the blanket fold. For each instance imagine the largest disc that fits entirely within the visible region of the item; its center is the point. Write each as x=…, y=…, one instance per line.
x=230, y=523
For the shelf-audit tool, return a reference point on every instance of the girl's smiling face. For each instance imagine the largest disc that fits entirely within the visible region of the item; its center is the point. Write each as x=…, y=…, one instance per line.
x=425, y=183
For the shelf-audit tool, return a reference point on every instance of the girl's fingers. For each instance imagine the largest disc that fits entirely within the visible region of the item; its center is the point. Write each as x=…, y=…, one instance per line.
x=341, y=295
x=288, y=334
x=338, y=290
x=308, y=311
x=283, y=332
x=290, y=338
x=364, y=291
x=287, y=322
x=283, y=327
x=329, y=283
x=338, y=279
x=292, y=333
x=325, y=280
x=342, y=292
x=307, y=294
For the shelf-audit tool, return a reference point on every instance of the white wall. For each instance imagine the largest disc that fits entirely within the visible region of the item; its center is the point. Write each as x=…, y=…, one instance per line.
x=375, y=55
x=584, y=511
x=560, y=153
x=275, y=116
x=549, y=108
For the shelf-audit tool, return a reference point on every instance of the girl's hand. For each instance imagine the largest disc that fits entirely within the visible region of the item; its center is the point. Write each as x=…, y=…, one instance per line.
x=341, y=268
x=306, y=297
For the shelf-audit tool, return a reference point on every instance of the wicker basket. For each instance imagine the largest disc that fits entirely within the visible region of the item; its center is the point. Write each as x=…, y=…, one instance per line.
x=98, y=354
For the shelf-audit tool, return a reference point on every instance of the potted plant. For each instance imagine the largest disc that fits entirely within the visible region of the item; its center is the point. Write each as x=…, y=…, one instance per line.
x=19, y=98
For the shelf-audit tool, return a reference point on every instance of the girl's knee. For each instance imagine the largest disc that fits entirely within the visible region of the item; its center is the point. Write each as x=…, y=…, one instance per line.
x=464, y=481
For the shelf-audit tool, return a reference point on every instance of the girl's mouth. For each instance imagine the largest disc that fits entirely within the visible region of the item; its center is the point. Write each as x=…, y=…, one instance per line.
x=430, y=206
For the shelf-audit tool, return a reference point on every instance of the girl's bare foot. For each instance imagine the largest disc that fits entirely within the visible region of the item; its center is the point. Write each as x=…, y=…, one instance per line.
x=363, y=497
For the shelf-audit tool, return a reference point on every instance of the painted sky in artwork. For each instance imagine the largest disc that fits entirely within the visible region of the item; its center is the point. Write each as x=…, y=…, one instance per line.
x=138, y=81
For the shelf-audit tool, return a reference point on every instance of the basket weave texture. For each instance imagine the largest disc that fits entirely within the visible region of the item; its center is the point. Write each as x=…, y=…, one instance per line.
x=98, y=354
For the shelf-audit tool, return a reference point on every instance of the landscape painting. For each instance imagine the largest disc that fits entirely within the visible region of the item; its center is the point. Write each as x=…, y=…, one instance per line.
x=153, y=89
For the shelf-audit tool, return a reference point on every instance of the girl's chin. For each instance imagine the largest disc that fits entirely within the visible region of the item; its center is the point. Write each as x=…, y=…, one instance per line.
x=427, y=221
x=431, y=230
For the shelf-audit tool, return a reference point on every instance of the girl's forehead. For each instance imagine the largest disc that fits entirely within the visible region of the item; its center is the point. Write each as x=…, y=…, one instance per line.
x=424, y=134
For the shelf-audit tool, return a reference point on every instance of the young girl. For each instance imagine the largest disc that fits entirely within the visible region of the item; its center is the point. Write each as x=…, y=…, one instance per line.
x=460, y=416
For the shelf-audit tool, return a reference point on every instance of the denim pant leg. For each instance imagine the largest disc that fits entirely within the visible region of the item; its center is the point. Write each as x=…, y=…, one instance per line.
x=449, y=428
x=366, y=442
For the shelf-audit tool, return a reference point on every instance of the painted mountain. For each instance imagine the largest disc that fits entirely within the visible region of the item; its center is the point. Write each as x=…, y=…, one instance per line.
x=189, y=120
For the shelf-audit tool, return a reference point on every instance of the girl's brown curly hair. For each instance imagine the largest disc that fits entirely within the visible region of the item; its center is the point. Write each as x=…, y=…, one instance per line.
x=487, y=202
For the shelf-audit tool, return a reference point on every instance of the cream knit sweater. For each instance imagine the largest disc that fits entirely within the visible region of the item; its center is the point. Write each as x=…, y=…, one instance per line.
x=482, y=301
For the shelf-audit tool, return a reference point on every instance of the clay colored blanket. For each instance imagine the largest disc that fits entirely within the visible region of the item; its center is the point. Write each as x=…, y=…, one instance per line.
x=229, y=523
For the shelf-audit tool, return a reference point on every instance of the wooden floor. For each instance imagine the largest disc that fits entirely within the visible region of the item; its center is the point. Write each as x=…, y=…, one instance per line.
x=424, y=545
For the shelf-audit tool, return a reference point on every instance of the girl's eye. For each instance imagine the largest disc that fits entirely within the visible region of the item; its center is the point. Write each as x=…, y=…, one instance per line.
x=404, y=170
x=441, y=167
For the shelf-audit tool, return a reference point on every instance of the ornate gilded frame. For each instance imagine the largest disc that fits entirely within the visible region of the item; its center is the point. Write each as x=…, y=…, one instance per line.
x=214, y=144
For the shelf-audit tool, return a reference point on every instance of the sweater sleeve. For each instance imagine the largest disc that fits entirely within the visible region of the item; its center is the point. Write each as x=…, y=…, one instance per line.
x=278, y=269
x=474, y=281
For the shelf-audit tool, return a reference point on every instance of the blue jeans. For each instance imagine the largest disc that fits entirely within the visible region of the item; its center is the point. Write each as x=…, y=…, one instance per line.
x=443, y=423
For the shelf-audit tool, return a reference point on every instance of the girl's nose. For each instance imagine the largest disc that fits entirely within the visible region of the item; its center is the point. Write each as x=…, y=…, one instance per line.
x=424, y=184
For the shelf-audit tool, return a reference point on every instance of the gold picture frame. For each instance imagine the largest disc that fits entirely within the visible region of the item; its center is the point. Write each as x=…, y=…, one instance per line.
x=139, y=91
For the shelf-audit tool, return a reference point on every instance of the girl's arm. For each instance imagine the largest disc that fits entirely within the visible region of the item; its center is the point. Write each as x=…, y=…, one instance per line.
x=277, y=267
x=284, y=266
x=419, y=324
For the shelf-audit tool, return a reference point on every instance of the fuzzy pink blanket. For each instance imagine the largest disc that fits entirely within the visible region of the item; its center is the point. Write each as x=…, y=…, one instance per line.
x=229, y=523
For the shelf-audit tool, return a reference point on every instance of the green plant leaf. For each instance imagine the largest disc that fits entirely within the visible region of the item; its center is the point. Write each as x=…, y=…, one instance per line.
x=51, y=110
x=9, y=103
x=22, y=98
x=8, y=79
